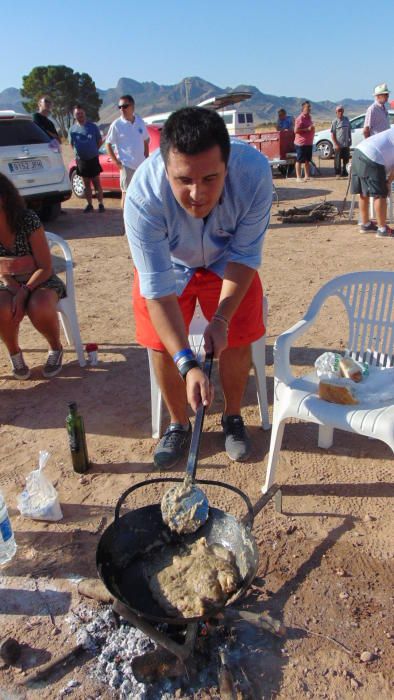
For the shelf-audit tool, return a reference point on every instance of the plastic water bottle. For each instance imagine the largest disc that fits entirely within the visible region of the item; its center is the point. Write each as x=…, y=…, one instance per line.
x=7, y=540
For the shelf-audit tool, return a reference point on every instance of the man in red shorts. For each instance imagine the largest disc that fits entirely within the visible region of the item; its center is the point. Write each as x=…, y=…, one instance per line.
x=196, y=213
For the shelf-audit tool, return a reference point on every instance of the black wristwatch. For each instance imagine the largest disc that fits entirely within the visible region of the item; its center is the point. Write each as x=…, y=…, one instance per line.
x=184, y=368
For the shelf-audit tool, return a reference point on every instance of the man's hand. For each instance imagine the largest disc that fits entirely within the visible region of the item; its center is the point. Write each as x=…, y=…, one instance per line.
x=336, y=146
x=215, y=336
x=19, y=304
x=199, y=389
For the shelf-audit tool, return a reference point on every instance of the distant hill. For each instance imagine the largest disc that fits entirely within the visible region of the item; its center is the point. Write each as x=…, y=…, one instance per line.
x=151, y=98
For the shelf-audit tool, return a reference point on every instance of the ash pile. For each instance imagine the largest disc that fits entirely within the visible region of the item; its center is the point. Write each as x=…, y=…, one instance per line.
x=114, y=647
x=309, y=214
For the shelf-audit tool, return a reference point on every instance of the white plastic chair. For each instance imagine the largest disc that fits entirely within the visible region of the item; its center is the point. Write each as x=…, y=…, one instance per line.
x=368, y=298
x=196, y=340
x=66, y=307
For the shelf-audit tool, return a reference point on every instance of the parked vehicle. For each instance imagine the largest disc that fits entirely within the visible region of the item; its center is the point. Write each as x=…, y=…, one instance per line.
x=237, y=121
x=324, y=143
x=34, y=163
x=110, y=175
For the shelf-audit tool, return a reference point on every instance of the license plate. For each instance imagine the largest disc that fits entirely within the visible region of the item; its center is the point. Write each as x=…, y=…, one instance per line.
x=21, y=166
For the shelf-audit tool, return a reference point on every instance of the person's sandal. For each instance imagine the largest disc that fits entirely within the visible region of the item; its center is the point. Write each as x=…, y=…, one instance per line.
x=20, y=370
x=53, y=364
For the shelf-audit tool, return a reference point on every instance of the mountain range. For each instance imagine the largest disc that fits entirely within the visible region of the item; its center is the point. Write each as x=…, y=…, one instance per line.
x=152, y=98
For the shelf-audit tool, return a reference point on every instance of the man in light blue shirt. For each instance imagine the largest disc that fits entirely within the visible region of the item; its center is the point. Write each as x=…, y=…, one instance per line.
x=196, y=214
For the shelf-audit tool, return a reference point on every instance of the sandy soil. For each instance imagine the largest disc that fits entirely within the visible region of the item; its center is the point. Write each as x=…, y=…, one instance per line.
x=325, y=562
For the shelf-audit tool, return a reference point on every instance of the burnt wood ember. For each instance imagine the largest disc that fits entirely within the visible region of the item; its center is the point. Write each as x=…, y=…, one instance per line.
x=308, y=214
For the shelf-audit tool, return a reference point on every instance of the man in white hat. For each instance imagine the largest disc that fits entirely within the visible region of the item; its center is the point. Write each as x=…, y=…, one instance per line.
x=377, y=116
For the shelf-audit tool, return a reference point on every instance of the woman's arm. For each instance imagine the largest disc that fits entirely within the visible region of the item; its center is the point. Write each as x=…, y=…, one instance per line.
x=10, y=282
x=42, y=256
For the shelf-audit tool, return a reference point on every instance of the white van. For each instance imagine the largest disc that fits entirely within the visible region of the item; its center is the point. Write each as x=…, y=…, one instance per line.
x=237, y=121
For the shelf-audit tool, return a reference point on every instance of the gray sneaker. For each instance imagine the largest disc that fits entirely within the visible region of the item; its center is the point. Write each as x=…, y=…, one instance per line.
x=366, y=228
x=172, y=447
x=53, y=364
x=237, y=441
x=20, y=369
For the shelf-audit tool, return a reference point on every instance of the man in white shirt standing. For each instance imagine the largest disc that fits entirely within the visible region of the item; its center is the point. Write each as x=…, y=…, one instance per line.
x=130, y=137
x=372, y=175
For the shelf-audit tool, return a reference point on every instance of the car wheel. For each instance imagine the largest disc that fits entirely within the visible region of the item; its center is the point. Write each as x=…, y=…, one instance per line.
x=49, y=211
x=325, y=149
x=77, y=185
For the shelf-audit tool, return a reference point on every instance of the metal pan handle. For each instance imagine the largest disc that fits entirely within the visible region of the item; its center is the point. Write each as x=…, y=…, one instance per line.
x=140, y=484
x=247, y=520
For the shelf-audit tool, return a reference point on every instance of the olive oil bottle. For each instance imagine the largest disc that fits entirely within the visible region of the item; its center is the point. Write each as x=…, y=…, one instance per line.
x=77, y=439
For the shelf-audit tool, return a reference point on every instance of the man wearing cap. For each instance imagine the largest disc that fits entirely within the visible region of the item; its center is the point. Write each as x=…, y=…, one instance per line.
x=372, y=175
x=377, y=116
x=341, y=133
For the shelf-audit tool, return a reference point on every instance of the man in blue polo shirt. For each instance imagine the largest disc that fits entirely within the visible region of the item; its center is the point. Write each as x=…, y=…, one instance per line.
x=196, y=213
x=86, y=140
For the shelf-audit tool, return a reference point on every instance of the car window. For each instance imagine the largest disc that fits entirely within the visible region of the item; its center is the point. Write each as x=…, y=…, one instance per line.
x=391, y=117
x=19, y=133
x=357, y=123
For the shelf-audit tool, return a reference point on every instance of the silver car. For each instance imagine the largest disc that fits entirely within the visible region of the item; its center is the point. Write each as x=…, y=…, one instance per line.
x=323, y=142
x=34, y=163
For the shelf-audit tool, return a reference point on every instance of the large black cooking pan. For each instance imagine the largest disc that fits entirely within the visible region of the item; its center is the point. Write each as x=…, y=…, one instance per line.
x=133, y=537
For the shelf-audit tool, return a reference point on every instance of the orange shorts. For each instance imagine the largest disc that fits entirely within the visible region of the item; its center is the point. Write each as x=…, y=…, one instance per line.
x=246, y=326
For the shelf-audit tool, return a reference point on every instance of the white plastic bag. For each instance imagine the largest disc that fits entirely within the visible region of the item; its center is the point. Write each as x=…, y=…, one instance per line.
x=327, y=365
x=39, y=500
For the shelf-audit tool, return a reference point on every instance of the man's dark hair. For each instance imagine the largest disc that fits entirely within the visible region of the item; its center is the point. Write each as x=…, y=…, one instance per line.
x=192, y=130
x=281, y=111
x=306, y=102
x=129, y=98
x=78, y=106
x=12, y=202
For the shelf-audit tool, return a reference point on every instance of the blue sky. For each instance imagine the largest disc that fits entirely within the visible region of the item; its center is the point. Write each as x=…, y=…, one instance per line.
x=315, y=49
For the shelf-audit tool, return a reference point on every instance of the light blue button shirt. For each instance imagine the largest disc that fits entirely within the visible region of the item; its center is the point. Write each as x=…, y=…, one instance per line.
x=168, y=245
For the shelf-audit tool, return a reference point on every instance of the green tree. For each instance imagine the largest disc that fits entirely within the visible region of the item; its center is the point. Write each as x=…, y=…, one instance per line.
x=88, y=96
x=65, y=87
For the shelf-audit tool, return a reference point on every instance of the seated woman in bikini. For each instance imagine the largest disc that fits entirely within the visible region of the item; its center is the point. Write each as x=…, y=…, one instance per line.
x=27, y=283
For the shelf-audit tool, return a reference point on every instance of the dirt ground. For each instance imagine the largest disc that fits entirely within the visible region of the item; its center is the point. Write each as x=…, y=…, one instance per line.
x=325, y=563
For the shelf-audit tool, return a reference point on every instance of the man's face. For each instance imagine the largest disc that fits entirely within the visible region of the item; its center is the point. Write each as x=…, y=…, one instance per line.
x=339, y=113
x=79, y=115
x=126, y=109
x=306, y=108
x=382, y=98
x=45, y=105
x=196, y=181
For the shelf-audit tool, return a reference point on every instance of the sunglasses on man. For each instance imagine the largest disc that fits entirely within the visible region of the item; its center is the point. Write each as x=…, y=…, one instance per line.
x=124, y=106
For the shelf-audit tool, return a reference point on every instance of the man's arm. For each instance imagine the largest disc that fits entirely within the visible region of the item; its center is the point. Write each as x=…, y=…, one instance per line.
x=236, y=282
x=333, y=135
x=146, y=148
x=367, y=123
x=244, y=259
x=112, y=155
x=99, y=138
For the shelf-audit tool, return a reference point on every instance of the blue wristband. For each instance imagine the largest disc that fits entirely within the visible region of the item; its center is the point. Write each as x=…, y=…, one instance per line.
x=186, y=352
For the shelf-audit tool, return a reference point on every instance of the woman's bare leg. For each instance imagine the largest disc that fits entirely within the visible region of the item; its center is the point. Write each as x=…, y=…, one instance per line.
x=9, y=329
x=41, y=309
